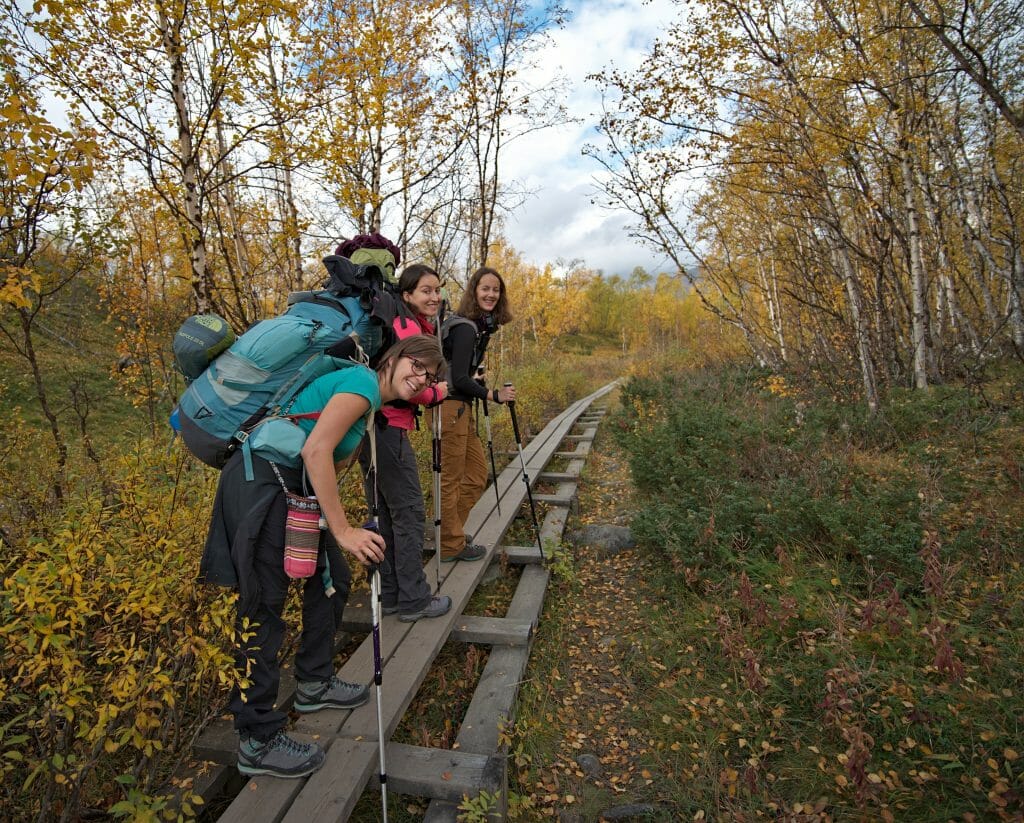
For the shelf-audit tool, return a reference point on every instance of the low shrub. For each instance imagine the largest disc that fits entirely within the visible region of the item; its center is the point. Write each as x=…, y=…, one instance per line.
x=113, y=656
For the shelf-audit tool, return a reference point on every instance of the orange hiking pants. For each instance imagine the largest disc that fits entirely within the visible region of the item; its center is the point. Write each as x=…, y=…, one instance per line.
x=463, y=473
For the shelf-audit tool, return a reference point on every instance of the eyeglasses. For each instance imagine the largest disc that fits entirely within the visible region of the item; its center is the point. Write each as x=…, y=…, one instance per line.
x=421, y=371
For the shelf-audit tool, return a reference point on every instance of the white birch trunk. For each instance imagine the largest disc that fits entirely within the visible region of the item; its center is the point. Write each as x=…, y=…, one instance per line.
x=173, y=47
x=289, y=211
x=241, y=255
x=841, y=258
x=918, y=280
x=948, y=298
x=769, y=285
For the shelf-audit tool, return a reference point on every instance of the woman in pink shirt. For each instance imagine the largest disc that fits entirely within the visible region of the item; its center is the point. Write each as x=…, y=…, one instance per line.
x=401, y=515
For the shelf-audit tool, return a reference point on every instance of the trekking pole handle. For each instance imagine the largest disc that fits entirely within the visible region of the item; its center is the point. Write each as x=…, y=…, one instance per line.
x=515, y=423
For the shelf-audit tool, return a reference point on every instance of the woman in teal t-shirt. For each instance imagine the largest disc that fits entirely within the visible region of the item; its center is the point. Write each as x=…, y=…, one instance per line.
x=245, y=549
x=358, y=381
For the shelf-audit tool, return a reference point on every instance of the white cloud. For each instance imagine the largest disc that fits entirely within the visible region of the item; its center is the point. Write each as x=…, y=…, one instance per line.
x=560, y=219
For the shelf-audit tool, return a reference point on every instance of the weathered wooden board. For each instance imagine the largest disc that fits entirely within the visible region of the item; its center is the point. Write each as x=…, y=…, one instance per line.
x=332, y=792
x=441, y=773
x=522, y=555
x=492, y=631
x=557, y=477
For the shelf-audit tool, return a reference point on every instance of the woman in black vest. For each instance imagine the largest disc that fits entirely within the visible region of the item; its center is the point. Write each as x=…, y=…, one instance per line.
x=463, y=465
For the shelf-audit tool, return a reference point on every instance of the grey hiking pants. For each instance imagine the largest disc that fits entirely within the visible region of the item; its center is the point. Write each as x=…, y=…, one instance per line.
x=401, y=513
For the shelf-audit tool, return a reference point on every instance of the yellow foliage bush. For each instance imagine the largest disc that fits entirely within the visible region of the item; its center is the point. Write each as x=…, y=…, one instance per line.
x=113, y=656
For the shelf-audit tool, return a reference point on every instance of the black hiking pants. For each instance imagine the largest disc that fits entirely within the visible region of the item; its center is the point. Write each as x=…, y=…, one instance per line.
x=401, y=515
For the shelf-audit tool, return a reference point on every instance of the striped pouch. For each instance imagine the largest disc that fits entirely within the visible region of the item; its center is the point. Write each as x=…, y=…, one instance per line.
x=301, y=535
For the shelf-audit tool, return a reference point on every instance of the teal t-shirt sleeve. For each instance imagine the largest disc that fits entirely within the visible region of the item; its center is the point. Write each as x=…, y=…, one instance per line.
x=352, y=380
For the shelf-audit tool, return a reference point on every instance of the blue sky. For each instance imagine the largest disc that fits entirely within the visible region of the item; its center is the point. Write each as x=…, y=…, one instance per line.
x=559, y=220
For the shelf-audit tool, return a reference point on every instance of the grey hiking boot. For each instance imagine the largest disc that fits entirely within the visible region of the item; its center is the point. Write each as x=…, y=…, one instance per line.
x=281, y=756
x=472, y=551
x=311, y=696
x=438, y=605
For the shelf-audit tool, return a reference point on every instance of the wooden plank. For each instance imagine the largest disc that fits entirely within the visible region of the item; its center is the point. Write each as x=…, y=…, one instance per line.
x=494, y=699
x=528, y=601
x=581, y=450
x=555, y=499
x=441, y=811
x=554, y=524
x=217, y=744
x=557, y=477
x=441, y=773
x=332, y=792
x=495, y=695
x=402, y=675
x=496, y=692
x=493, y=631
x=521, y=555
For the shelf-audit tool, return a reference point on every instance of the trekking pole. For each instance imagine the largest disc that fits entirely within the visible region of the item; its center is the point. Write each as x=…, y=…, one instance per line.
x=490, y=449
x=436, y=454
x=378, y=677
x=436, y=450
x=375, y=612
x=526, y=478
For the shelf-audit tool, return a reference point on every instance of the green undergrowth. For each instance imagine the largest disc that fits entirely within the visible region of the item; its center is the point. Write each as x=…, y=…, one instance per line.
x=77, y=354
x=833, y=623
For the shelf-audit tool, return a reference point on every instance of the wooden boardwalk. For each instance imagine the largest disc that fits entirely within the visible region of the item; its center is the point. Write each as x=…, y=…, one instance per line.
x=408, y=650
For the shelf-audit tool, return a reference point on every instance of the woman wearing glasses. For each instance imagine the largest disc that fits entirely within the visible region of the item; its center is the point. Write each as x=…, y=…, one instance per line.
x=404, y=587
x=246, y=544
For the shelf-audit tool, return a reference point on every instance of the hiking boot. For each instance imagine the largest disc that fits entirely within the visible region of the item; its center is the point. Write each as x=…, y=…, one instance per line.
x=329, y=694
x=390, y=609
x=471, y=552
x=437, y=605
x=281, y=756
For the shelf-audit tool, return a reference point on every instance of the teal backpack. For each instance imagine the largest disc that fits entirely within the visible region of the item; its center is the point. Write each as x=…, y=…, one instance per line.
x=261, y=372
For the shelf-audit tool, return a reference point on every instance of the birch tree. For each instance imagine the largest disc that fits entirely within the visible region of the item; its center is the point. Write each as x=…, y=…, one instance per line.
x=384, y=133
x=829, y=168
x=496, y=44
x=156, y=77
